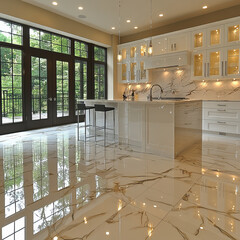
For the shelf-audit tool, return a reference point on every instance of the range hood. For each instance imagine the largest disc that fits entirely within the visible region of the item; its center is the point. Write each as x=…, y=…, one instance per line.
x=173, y=59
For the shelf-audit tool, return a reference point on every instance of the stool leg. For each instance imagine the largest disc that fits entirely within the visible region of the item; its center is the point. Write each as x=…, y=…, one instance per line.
x=105, y=126
x=95, y=121
x=85, y=125
x=78, y=125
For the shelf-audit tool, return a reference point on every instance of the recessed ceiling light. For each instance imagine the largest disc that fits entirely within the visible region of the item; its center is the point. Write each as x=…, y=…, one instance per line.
x=205, y=7
x=107, y=233
x=128, y=21
x=136, y=27
x=80, y=8
x=113, y=28
x=54, y=3
x=161, y=15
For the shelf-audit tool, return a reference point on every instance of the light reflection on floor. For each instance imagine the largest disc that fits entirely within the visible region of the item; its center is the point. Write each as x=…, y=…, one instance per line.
x=52, y=185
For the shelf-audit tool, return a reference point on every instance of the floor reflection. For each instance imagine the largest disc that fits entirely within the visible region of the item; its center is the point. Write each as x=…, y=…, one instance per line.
x=52, y=185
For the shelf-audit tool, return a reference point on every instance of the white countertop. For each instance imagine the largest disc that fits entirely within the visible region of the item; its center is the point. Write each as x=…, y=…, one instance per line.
x=140, y=101
x=156, y=101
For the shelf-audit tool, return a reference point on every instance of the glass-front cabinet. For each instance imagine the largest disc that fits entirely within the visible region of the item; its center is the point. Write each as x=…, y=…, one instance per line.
x=132, y=68
x=198, y=65
x=214, y=63
x=232, y=62
x=215, y=36
x=199, y=39
x=232, y=33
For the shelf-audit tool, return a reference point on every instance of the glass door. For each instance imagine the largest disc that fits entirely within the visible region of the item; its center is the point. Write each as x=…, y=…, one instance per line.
x=63, y=108
x=11, y=89
x=49, y=92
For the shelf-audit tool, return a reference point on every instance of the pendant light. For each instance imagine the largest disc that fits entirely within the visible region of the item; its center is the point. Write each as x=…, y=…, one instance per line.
x=119, y=57
x=150, y=48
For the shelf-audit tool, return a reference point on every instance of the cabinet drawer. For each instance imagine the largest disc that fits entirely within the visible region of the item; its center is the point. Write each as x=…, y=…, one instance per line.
x=221, y=114
x=221, y=105
x=221, y=126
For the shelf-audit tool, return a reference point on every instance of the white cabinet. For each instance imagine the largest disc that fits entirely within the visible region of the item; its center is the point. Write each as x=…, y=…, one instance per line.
x=199, y=39
x=221, y=116
x=232, y=33
x=132, y=68
x=178, y=42
x=215, y=36
x=216, y=63
x=231, y=62
x=160, y=45
x=198, y=65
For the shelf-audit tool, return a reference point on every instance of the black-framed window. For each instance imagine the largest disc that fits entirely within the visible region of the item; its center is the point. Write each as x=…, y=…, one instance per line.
x=99, y=54
x=80, y=79
x=21, y=47
x=100, y=72
x=11, y=33
x=49, y=41
x=11, y=85
x=80, y=49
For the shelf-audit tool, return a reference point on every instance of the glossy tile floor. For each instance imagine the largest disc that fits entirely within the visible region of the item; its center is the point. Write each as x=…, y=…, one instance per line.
x=54, y=187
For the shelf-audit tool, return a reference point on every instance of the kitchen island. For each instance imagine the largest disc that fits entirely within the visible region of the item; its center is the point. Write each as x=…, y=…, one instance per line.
x=162, y=127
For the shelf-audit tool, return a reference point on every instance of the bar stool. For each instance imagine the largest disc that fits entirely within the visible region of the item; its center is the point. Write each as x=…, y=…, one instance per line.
x=82, y=107
x=104, y=109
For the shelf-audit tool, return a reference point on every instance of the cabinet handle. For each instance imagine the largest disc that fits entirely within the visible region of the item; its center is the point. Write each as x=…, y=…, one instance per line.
x=222, y=105
x=222, y=69
x=221, y=110
x=208, y=73
x=221, y=122
x=204, y=69
x=226, y=72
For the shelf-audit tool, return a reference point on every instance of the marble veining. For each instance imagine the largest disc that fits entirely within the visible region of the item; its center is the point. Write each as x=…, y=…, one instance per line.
x=55, y=187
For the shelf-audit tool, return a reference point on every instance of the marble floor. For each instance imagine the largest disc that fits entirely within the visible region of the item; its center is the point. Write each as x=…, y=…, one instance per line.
x=55, y=187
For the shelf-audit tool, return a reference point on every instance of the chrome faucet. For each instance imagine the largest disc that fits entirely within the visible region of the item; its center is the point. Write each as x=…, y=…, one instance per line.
x=161, y=91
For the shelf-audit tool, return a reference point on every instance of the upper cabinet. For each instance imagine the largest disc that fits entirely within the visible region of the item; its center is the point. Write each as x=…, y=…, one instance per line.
x=132, y=69
x=199, y=39
x=215, y=36
x=232, y=35
x=160, y=45
x=215, y=50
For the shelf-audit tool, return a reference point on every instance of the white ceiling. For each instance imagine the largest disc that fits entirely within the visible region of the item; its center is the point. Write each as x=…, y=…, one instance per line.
x=104, y=14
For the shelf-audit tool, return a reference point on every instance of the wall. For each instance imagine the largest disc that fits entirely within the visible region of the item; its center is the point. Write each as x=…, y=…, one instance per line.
x=178, y=83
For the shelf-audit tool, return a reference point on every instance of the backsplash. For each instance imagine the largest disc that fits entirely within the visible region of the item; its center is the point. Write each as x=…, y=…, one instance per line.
x=178, y=83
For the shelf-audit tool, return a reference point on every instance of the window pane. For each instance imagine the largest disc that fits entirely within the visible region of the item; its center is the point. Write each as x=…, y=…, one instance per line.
x=99, y=81
x=49, y=41
x=10, y=33
x=81, y=49
x=11, y=85
x=99, y=54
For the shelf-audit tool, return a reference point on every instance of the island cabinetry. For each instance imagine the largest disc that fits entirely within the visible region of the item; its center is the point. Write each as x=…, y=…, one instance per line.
x=160, y=129
x=221, y=117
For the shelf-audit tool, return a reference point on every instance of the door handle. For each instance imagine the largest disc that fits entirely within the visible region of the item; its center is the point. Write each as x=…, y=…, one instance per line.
x=50, y=99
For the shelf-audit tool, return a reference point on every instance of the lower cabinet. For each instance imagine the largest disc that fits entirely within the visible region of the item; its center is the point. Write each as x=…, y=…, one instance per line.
x=223, y=117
